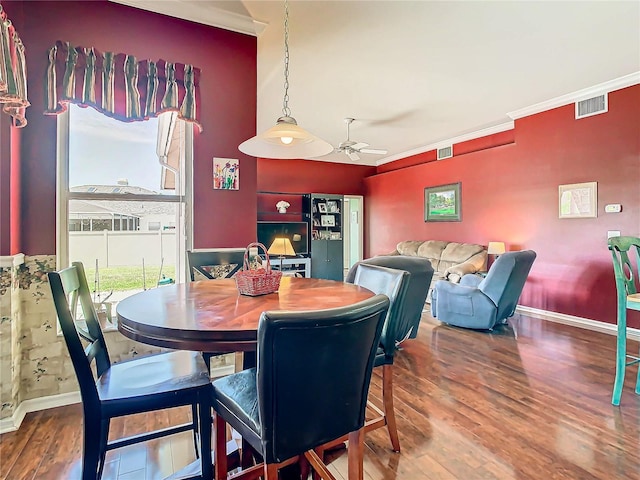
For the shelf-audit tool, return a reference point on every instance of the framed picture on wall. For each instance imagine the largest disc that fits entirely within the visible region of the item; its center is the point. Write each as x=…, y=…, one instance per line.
x=578, y=200
x=443, y=203
x=226, y=174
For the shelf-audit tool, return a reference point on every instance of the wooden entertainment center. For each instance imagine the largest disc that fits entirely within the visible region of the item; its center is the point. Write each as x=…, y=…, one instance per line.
x=320, y=255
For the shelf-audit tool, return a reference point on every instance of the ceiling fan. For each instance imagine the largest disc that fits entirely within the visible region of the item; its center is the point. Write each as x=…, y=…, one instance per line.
x=352, y=148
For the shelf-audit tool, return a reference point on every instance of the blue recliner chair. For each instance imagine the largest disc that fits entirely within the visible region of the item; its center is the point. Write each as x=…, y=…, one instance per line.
x=481, y=303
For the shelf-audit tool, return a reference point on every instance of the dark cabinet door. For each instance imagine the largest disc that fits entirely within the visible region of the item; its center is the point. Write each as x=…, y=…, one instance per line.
x=327, y=260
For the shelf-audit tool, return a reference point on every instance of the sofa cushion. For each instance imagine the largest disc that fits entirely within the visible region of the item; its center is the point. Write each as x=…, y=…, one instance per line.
x=432, y=249
x=409, y=247
x=456, y=253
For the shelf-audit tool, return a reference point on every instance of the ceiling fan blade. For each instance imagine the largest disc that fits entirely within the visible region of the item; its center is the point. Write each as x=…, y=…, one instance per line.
x=359, y=145
x=377, y=151
x=353, y=156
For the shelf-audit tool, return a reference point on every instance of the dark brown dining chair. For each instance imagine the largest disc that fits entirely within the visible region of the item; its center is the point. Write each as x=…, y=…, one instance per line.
x=212, y=264
x=309, y=387
x=146, y=384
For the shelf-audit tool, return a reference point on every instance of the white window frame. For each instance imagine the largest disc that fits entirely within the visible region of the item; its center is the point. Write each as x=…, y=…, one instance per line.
x=63, y=195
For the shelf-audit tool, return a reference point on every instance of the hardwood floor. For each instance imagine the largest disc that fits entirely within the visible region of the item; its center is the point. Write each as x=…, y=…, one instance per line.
x=529, y=401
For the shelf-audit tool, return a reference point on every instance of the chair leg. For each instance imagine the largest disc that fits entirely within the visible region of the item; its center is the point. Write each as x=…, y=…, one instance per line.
x=270, y=471
x=355, y=454
x=91, y=448
x=204, y=407
x=104, y=439
x=220, y=433
x=621, y=354
x=194, y=419
x=304, y=466
x=389, y=412
x=638, y=378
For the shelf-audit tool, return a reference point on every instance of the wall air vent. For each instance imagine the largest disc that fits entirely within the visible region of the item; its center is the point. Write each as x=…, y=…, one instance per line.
x=445, y=152
x=592, y=106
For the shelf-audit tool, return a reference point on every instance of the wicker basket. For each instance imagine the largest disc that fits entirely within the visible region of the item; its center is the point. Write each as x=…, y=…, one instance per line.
x=257, y=282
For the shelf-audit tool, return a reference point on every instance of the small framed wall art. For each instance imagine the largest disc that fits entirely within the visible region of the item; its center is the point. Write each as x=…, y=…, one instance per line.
x=578, y=200
x=226, y=174
x=443, y=203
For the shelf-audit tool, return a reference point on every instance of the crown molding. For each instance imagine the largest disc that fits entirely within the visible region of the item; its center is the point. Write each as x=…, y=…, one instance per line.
x=503, y=127
x=201, y=13
x=610, y=86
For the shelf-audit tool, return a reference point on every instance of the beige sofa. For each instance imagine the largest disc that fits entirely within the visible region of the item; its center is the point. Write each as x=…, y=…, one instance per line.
x=450, y=260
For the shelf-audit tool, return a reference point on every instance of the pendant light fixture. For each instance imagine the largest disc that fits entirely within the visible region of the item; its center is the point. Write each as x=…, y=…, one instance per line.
x=286, y=139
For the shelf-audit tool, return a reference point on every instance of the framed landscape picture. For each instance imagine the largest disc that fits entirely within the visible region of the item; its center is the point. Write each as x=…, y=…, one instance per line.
x=443, y=203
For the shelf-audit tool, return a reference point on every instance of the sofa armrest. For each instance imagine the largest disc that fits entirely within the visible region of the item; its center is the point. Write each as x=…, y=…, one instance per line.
x=456, y=272
x=395, y=252
x=472, y=265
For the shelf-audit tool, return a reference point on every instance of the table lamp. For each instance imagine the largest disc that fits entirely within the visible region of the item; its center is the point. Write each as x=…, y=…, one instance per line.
x=495, y=248
x=281, y=246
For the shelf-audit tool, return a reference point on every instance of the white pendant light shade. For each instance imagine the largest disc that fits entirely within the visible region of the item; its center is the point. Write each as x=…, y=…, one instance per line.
x=285, y=140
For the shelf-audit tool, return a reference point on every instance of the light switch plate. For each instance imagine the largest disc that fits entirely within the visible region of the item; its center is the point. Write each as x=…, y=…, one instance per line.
x=613, y=233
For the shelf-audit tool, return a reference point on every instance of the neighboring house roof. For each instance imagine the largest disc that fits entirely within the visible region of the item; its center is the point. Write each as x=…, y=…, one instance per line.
x=112, y=189
x=121, y=207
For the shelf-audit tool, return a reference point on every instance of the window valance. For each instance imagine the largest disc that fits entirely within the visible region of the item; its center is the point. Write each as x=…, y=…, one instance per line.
x=119, y=85
x=13, y=72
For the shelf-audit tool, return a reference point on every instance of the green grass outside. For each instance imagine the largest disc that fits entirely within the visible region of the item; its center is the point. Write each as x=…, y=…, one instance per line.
x=127, y=278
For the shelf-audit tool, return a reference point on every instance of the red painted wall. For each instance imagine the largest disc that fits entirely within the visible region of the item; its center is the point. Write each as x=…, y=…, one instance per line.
x=310, y=176
x=228, y=109
x=510, y=194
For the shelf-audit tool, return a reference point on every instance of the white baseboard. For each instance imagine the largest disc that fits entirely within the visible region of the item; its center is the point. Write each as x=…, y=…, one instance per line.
x=36, y=404
x=586, y=323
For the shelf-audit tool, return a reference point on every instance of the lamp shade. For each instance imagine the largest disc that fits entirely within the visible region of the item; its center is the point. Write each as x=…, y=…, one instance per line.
x=285, y=140
x=496, y=248
x=281, y=246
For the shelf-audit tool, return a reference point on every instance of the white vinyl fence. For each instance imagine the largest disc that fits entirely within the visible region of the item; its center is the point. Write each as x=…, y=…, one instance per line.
x=115, y=248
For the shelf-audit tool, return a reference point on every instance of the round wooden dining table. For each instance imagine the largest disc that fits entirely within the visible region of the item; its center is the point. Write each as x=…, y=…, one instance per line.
x=211, y=315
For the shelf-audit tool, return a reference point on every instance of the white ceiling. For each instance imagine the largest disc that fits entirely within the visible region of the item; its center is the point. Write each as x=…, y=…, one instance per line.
x=415, y=74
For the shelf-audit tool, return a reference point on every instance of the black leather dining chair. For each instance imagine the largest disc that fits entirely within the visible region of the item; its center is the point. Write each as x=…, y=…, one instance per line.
x=146, y=384
x=309, y=387
x=421, y=274
x=394, y=284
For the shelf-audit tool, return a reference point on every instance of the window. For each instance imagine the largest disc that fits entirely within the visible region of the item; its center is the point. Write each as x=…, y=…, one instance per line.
x=117, y=188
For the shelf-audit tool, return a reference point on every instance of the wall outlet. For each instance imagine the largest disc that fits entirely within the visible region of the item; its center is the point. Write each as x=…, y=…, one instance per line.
x=613, y=233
